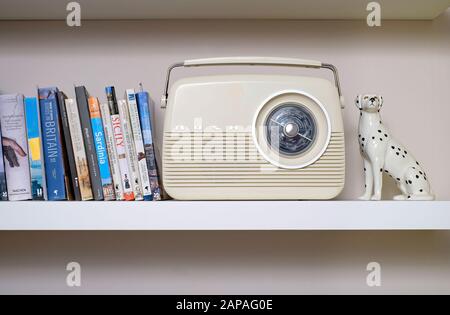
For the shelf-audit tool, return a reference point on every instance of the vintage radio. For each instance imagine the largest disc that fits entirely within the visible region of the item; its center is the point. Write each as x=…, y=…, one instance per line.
x=258, y=137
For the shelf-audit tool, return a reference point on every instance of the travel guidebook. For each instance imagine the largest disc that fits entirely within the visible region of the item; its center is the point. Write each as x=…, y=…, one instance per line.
x=112, y=151
x=119, y=141
x=130, y=150
x=55, y=173
x=138, y=144
x=100, y=147
x=70, y=165
x=89, y=142
x=57, y=147
x=79, y=152
x=38, y=186
x=143, y=103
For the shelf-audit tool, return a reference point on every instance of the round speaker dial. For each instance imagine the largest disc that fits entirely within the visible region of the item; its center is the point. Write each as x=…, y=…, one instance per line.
x=291, y=129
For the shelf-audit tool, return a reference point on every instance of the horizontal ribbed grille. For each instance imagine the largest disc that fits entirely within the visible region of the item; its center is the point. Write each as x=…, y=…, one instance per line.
x=224, y=160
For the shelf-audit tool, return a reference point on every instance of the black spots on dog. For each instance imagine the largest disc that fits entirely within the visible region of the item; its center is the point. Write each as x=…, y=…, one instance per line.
x=363, y=139
x=360, y=114
x=381, y=122
x=405, y=152
x=359, y=136
x=379, y=131
x=381, y=170
x=410, y=182
x=397, y=153
x=399, y=149
x=392, y=147
x=398, y=179
x=381, y=139
x=386, y=135
x=417, y=163
x=417, y=176
x=386, y=171
x=421, y=190
x=373, y=138
x=365, y=185
x=409, y=197
x=420, y=172
x=403, y=156
x=365, y=170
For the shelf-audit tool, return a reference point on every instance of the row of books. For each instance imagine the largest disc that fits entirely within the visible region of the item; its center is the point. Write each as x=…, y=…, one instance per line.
x=59, y=148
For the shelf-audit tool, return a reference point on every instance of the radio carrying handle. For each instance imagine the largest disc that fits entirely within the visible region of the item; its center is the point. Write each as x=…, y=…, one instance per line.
x=253, y=61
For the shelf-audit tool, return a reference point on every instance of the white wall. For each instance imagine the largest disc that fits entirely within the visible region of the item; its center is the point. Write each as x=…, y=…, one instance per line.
x=407, y=62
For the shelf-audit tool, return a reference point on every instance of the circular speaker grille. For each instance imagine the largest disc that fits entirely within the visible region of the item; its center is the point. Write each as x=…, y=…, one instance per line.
x=291, y=128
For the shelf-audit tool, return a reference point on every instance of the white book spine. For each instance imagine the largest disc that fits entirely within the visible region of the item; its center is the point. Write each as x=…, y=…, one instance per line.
x=76, y=135
x=125, y=173
x=130, y=149
x=112, y=151
x=139, y=143
x=15, y=147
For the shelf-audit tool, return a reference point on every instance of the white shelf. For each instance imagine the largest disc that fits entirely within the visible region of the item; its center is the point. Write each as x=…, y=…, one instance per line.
x=221, y=9
x=226, y=215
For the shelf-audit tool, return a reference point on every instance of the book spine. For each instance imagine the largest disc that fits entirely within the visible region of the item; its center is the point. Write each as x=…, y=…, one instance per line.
x=76, y=136
x=15, y=147
x=32, y=118
x=130, y=150
x=147, y=136
x=119, y=142
x=51, y=140
x=3, y=187
x=101, y=149
x=112, y=151
x=85, y=119
x=73, y=185
x=139, y=144
x=122, y=156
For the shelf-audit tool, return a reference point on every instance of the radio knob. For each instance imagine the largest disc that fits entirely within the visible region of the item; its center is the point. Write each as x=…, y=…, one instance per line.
x=291, y=130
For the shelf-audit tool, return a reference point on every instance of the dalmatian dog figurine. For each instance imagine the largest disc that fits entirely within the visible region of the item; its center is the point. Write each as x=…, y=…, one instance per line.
x=383, y=154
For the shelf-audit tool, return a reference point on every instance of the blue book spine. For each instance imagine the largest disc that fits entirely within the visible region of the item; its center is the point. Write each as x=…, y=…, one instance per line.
x=142, y=99
x=51, y=140
x=101, y=149
x=35, y=148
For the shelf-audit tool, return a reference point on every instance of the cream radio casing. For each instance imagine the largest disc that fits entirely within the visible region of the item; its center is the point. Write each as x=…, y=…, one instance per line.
x=253, y=137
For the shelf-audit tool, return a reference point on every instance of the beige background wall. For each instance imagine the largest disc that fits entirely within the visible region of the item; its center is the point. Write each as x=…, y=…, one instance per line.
x=407, y=62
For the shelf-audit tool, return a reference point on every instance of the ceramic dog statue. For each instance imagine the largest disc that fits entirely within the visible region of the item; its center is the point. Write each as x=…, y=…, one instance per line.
x=381, y=153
